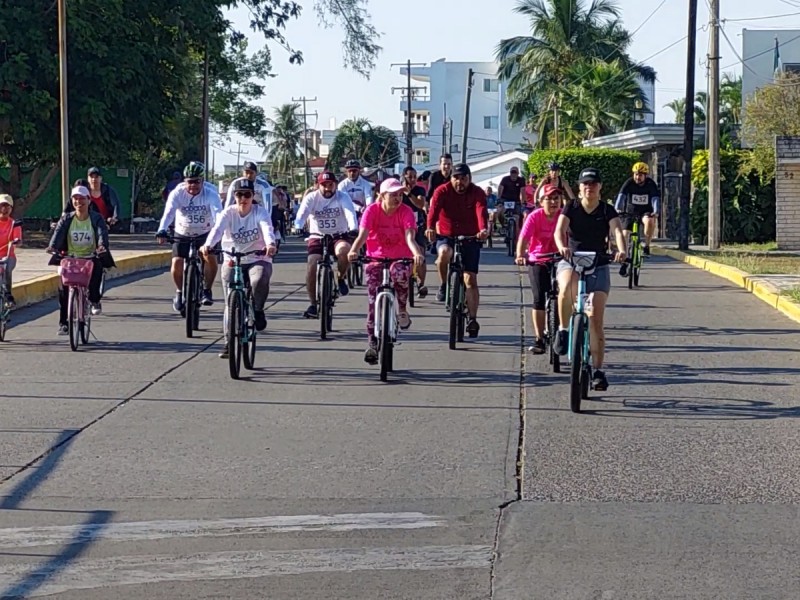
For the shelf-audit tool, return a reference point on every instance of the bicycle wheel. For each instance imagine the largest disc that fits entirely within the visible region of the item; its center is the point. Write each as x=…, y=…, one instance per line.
x=3, y=315
x=190, y=299
x=359, y=274
x=85, y=326
x=332, y=298
x=197, y=291
x=324, y=293
x=73, y=312
x=552, y=332
x=462, y=312
x=632, y=261
x=250, y=334
x=412, y=286
x=103, y=283
x=351, y=279
x=576, y=368
x=511, y=236
x=235, y=332
x=454, y=286
x=385, y=353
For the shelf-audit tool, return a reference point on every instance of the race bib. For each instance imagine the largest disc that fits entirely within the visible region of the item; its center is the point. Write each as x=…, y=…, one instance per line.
x=193, y=220
x=640, y=199
x=330, y=220
x=510, y=205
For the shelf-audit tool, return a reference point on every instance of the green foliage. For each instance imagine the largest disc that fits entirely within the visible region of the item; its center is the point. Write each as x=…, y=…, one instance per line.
x=748, y=206
x=372, y=145
x=614, y=165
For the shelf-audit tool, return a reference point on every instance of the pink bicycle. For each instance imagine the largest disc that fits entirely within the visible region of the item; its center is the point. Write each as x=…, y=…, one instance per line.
x=75, y=276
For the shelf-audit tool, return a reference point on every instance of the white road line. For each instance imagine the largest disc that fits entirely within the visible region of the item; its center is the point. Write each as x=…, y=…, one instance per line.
x=140, y=570
x=29, y=537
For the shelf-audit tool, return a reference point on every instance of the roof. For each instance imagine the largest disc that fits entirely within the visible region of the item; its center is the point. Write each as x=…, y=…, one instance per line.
x=644, y=138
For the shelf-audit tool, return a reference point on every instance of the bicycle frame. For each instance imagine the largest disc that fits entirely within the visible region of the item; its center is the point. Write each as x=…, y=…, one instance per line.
x=582, y=262
x=385, y=300
x=635, y=244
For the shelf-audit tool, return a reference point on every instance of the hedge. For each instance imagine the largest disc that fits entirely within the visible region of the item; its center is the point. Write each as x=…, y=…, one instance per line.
x=748, y=206
x=614, y=165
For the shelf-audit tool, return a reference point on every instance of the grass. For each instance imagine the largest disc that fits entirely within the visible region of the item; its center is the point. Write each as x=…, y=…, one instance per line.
x=754, y=264
x=793, y=294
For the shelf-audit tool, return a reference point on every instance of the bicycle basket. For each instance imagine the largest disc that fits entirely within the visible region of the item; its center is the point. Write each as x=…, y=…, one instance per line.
x=76, y=271
x=584, y=259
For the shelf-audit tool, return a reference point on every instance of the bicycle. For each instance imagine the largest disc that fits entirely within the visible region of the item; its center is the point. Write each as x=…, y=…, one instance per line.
x=511, y=226
x=635, y=253
x=355, y=274
x=192, y=292
x=551, y=309
x=386, y=315
x=76, y=273
x=455, y=292
x=241, y=337
x=327, y=290
x=584, y=264
x=5, y=307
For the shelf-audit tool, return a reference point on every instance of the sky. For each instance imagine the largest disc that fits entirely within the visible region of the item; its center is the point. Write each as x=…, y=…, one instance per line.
x=469, y=30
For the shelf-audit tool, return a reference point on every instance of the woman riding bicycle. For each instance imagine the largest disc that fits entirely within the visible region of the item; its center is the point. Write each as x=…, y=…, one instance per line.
x=389, y=229
x=538, y=238
x=81, y=233
x=244, y=228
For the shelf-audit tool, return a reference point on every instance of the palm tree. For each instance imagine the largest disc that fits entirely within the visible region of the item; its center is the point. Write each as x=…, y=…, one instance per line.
x=358, y=138
x=678, y=106
x=286, y=134
x=563, y=32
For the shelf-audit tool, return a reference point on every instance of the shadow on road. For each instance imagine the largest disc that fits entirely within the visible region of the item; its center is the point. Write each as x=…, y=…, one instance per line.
x=685, y=407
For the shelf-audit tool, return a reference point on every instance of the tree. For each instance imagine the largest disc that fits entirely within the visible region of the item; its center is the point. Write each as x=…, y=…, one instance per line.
x=563, y=32
x=678, y=106
x=771, y=111
x=286, y=135
x=358, y=138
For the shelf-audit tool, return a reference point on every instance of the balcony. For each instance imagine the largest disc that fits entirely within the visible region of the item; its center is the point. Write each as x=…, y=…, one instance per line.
x=417, y=129
x=419, y=104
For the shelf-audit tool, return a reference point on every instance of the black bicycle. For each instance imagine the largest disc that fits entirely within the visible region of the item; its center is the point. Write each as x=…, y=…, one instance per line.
x=327, y=290
x=241, y=316
x=355, y=274
x=456, y=294
x=192, y=282
x=551, y=309
x=511, y=226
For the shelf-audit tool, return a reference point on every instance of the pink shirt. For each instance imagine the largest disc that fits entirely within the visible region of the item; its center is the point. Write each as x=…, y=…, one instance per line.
x=540, y=233
x=387, y=233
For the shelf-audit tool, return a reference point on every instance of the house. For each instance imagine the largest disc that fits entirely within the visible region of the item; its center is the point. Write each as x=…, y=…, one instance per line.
x=490, y=171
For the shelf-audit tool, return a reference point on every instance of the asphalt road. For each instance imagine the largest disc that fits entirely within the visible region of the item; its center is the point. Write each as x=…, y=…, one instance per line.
x=137, y=468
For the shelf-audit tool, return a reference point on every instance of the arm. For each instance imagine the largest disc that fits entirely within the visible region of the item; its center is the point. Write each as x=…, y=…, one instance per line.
x=102, y=234
x=418, y=201
x=349, y=212
x=221, y=223
x=616, y=231
x=411, y=242
x=267, y=231
x=169, y=211
x=562, y=227
x=359, y=242
x=215, y=205
x=302, y=212
x=482, y=213
x=620, y=203
x=525, y=236
x=56, y=240
x=16, y=234
x=112, y=196
x=656, y=203
x=568, y=189
x=229, y=200
x=433, y=213
x=368, y=199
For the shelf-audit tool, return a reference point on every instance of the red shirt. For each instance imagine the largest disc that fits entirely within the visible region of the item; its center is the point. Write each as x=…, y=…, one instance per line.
x=458, y=214
x=101, y=207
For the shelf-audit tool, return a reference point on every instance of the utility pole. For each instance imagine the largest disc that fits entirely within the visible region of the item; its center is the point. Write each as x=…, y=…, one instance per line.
x=62, y=81
x=204, y=137
x=712, y=117
x=238, y=159
x=450, y=134
x=303, y=99
x=688, y=131
x=409, y=119
x=470, y=75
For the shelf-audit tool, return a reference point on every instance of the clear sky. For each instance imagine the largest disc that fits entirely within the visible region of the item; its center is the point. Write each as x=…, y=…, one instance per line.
x=468, y=30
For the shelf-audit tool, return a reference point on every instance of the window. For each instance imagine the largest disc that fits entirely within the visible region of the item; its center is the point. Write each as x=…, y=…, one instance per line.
x=791, y=68
x=490, y=85
x=490, y=122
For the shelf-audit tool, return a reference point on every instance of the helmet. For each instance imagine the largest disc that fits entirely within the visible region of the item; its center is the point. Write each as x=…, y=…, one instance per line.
x=641, y=167
x=554, y=166
x=352, y=164
x=194, y=169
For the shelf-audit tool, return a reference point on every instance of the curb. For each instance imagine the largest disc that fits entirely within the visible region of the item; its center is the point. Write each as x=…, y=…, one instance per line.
x=739, y=278
x=43, y=287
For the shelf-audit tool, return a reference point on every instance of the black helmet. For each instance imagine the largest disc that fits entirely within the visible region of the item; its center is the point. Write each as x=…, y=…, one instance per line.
x=243, y=185
x=194, y=169
x=352, y=164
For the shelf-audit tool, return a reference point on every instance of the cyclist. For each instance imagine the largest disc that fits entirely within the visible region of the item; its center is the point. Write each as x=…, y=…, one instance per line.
x=459, y=208
x=537, y=236
x=103, y=197
x=554, y=177
x=263, y=191
x=355, y=186
x=511, y=189
x=81, y=233
x=193, y=207
x=586, y=224
x=440, y=177
x=491, y=206
x=530, y=192
x=414, y=198
x=389, y=228
x=328, y=211
x=245, y=227
x=639, y=196
x=8, y=233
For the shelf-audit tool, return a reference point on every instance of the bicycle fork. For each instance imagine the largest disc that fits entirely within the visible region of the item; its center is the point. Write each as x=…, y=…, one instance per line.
x=385, y=301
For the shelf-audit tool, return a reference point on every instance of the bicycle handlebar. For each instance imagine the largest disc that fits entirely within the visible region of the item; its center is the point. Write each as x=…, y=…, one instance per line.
x=173, y=240
x=232, y=253
x=388, y=261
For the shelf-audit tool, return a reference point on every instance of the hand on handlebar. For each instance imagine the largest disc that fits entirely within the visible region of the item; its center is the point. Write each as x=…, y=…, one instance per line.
x=482, y=235
x=620, y=256
x=352, y=256
x=566, y=253
x=419, y=259
x=430, y=234
x=272, y=250
x=521, y=261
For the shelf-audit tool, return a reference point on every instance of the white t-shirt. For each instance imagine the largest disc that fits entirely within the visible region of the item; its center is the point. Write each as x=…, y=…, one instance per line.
x=327, y=215
x=263, y=193
x=360, y=191
x=252, y=231
x=193, y=215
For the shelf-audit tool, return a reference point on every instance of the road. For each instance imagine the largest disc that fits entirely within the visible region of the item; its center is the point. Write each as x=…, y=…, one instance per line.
x=138, y=469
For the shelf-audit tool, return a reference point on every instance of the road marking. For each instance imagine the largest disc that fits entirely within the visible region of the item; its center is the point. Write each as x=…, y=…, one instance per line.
x=141, y=570
x=30, y=537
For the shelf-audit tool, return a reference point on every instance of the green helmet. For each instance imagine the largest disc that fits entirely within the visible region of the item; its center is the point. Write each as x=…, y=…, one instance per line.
x=194, y=169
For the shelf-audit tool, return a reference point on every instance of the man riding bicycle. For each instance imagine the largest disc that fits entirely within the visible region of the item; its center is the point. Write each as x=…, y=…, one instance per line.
x=414, y=198
x=638, y=197
x=355, y=186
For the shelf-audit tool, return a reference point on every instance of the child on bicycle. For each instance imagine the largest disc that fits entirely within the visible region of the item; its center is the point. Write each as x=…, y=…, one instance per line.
x=8, y=233
x=537, y=237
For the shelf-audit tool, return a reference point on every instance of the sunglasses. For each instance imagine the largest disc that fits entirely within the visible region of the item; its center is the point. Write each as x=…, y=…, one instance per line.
x=193, y=181
x=244, y=194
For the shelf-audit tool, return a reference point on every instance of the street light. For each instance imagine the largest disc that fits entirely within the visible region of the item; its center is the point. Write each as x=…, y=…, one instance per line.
x=62, y=80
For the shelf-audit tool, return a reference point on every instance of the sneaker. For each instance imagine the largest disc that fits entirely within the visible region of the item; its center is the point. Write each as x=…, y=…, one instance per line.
x=473, y=328
x=261, y=320
x=10, y=301
x=311, y=312
x=97, y=308
x=441, y=294
x=177, y=302
x=422, y=292
x=599, y=381
x=343, y=289
x=371, y=355
x=208, y=298
x=562, y=342
x=538, y=346
x=404, y=320
x=646, y=250
x=63, y=329
x=224, y=353
x=623, y=270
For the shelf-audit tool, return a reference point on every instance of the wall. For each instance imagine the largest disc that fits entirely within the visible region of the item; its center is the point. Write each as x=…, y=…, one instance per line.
x=787, y=193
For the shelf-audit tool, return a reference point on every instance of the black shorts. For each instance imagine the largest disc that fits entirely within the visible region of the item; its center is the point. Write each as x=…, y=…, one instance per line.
x=539, y=276
x=314, y=244
x=626, y=220
x=470, y=252
x=180, y=249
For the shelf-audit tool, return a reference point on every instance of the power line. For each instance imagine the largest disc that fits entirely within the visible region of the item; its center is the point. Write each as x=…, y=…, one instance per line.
x=749, y=68
x=761, y=18
x=767, y=51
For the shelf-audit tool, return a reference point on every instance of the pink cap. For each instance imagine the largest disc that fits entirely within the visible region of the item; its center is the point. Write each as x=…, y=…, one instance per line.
x=391, y=185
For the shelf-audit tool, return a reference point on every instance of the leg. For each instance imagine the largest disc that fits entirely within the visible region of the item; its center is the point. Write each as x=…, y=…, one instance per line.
x=597, y=338
x=649, y=228
x=445, y=255
x=63, y=298
x=227, y=277
x=94, y=282
x=373, y=273
x=539, y=276
x=260, y=276
x=311, y=277
x=538, y=317
x=567, y=291
x=210, y=271
x=177, y=273
x=401, y=278
x=342, y=263
x=472, y=294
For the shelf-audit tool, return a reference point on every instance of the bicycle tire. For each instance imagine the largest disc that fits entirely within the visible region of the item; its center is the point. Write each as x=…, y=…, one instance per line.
x=576, y=366
x=102, y=283
x=249, y=356
x=632, y=263
x=235, y=330
x=412, y=285
x=454, y=283
x=3, y=315
x=324, y=295
x=386, y=346
x=332, y=287
x=359, y=274
x=72, y=318
x=197, y=291
x=351, y=279
x=510, y=236
x=636, y=277
x=552, y=326
x=189, y=300
x=462, y=311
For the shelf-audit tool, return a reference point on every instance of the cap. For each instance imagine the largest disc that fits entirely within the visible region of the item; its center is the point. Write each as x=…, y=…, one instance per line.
x=550, y=190
x=461, y=169
x=514, y=170
x=250, y=166
x=391, y=185
x=6, y=199
x=590, y=175
x=326, y=176
x=94, y=171
x=243, y=185
x=79, y=190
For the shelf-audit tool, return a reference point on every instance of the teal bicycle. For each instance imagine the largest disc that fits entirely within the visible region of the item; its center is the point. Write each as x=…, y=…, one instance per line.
x=241, y=315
